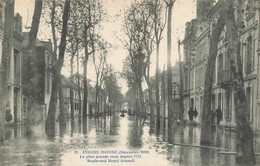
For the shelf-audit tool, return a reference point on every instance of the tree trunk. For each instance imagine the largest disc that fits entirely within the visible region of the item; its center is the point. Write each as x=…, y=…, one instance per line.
x=157, y=95
x=213, y=49
x=141, y=97
x=71, y=92
x=61, y=102
x=57, y=79
x=169, y=69
x=50, y=121
x=96, y=98
x=34, y=100
x=163, y=93
x=85, y=99
x=85, y=83
x=5, y=63
x=181, y=86
x=244, y=136
x=150, y=91
x=79, y=87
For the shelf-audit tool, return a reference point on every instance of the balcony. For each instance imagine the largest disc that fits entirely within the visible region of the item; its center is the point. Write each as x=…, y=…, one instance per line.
x=224, y=79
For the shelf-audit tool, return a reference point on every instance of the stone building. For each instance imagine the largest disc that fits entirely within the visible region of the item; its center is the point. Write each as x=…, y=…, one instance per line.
x=14, y=96
x=163, y=95
x=196, y=51
x=73, y=84
x=43, y=60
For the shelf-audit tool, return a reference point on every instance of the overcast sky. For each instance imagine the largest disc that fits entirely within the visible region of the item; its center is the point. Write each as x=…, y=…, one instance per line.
x=183, y=11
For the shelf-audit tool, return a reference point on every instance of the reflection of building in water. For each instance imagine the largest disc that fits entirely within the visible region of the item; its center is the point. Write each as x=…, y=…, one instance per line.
x=196, y=51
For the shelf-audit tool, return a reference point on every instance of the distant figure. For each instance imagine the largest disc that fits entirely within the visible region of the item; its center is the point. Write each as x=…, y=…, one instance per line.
x=219, y=114
x=190, y=113
x=212, y=115
x=195, y=113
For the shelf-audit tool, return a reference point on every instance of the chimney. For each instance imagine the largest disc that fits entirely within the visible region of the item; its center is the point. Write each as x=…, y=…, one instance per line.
x=203, y=6
x=18, y=23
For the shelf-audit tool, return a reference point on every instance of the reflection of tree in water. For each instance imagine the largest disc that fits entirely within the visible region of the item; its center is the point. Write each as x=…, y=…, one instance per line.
x=114, y=124
x=153, y=127
x=135, y=133
x=164, y=130
x=53, y=155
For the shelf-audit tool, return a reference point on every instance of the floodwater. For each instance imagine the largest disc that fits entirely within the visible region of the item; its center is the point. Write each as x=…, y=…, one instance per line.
x=115, y=138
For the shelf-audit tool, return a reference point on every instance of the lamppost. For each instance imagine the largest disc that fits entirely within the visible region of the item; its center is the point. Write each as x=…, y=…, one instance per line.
x=174, y=93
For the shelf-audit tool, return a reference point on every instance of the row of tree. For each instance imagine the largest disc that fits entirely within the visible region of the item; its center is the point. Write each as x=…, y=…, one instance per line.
x=144, y=23
x=75, y=33
x=82, y=36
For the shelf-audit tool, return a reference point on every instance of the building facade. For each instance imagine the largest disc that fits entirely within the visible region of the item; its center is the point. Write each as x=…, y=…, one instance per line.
x=42, y=77
x=196, y=51
x=14, y=92
x=69, y=84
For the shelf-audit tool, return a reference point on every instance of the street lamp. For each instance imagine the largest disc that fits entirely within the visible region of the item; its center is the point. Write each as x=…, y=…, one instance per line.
x=174, y=93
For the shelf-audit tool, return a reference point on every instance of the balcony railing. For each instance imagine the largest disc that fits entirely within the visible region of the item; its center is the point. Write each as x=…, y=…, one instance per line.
x=224, y=77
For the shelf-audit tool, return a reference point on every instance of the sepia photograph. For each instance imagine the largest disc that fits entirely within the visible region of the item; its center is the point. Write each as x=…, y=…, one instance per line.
x=129, y=82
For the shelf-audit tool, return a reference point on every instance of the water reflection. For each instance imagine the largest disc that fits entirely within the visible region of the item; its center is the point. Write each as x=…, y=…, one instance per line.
x=29, y=145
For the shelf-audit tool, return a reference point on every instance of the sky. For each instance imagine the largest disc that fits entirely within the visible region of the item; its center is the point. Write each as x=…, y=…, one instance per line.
x=183, y=11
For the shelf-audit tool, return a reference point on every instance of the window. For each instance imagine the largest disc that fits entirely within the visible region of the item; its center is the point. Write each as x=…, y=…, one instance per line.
x=225, y=61
x=199, y=77
x=249, y=55
x=48, y=82
x=220, y=63
x=214, y=76
x=191, y=78
x=228, y=105
x=186, y=81
x=16, y=62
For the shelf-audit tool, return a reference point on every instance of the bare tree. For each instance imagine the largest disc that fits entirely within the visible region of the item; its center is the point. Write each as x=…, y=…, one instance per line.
x=159, y=25
x=129, y=76
x=33, y=79
x=91, y=14
x=99, y=60
x=74, y=41
x=114, y=94
x=169, y=67
x=57, y=83
x=138, y=27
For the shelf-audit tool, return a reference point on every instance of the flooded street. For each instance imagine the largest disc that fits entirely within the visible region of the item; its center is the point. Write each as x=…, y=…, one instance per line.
x=30, y=145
